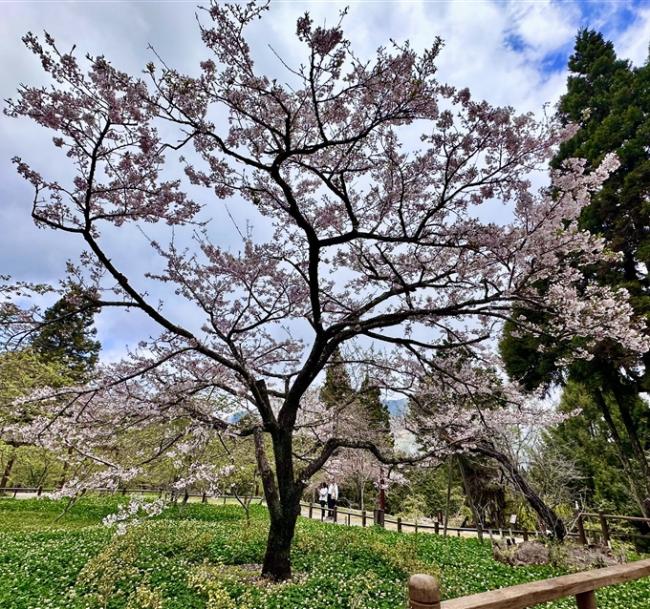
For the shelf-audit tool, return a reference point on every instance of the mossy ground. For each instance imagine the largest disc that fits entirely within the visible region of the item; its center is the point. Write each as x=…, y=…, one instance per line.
x=198, y=556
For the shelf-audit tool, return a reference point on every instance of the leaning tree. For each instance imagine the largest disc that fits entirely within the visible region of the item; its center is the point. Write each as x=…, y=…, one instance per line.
x=376, y=180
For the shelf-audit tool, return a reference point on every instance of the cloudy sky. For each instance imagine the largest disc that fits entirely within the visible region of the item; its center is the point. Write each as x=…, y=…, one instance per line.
x=508, y=52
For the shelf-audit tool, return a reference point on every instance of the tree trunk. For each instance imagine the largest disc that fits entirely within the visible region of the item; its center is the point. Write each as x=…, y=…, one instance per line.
x=448, y=500
x=7, y=471
x=478, y=521
x=599, y=399
x=621, y=397
x=277, y=559
x=283, y=501
x=550, y=519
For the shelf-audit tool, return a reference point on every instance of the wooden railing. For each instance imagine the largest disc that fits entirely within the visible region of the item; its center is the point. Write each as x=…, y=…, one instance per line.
x=603, y=532
x=583, y=534
x=174, y=495
x=377, y=517
x=424, y=592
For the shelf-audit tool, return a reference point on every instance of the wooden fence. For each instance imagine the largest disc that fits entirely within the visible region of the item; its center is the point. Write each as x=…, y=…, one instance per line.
x=424, y=592
x=585, y=531
x=377, y=517
x=173, y=495
x=603, y=531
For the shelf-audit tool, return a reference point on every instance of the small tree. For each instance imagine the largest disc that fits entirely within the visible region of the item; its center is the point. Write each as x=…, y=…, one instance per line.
x=373, y=242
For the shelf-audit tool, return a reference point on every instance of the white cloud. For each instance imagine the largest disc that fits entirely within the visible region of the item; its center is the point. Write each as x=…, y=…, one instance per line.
x=633, y=43
x=544, y=26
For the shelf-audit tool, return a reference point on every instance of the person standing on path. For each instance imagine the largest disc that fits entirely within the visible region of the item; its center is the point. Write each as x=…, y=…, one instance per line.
x=323, y=493
x=332, y=497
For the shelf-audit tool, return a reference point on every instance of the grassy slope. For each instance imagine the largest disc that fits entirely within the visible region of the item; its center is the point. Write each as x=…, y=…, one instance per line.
x=180, y=561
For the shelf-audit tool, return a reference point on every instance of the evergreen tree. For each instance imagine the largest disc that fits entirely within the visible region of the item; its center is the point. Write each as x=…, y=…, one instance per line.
x=373, y=410
x=610, y=102
x=584, y=440
x=67, y=335
x=337, y=388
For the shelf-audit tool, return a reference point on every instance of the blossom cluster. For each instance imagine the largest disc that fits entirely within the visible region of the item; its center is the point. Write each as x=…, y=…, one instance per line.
x=133, y=514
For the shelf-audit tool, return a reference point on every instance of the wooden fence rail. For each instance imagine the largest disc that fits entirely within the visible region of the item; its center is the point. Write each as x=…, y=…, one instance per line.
x=160, y=491
x=379, y=518
x=603, y=530
x=583, y=534
x=424, y=592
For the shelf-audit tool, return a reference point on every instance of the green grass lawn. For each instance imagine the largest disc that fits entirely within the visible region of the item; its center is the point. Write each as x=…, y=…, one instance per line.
x=199, y=556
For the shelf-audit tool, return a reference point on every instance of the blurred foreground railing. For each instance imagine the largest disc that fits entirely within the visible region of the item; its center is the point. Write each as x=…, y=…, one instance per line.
x=424, y=592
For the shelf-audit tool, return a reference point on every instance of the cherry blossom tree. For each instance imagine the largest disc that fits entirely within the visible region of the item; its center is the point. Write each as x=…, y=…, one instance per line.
x=359, y=468
x=377, y=242
x=478, y=412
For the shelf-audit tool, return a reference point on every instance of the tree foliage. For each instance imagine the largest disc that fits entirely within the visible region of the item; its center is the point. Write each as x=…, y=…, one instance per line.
x=336, y=391
x=66, y=335
x=609, y=101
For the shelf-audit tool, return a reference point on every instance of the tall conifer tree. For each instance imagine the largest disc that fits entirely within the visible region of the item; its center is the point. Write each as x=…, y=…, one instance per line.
x=609, y=100
x=374, y=410
x=337, y=388
x=67, y=335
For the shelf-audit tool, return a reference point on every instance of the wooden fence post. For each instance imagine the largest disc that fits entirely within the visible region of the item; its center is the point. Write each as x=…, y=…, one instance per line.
x=311, y=510
x=186, y=496
x=525, y=534
x=436, y=527
x=204, y=498
x=582, y=537
x=363, y=518
x=39, y=491
x=379, y=517
x=399, y=525
x=586, y=600
x=423, y=592
x=604, y=528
